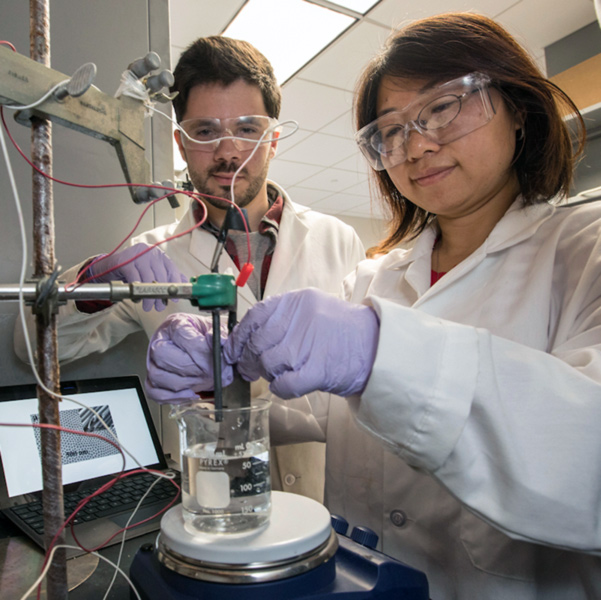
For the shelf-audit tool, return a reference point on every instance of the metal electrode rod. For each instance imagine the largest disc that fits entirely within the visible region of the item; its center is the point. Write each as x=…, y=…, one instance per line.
x=217, y=385
x=47, y=347
x=217, y=392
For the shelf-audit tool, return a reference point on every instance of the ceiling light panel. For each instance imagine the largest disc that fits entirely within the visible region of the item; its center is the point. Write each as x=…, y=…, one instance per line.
x=288, y=32
x=360, y=6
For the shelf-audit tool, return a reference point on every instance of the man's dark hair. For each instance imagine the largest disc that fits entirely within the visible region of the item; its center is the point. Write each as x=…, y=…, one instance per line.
x=222, y=60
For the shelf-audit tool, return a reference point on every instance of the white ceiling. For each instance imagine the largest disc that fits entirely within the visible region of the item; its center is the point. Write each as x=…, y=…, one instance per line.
x=320, y=165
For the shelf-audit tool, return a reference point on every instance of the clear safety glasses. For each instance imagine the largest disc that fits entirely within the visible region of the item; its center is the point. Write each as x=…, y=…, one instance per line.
x=444, y=114
x=205, y=134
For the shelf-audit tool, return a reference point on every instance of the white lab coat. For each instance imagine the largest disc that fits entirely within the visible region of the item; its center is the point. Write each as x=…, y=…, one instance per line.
x=482, y=467
x=314, y=250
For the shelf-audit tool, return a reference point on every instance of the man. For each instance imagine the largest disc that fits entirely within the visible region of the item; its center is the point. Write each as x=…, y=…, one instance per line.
x=219, y=81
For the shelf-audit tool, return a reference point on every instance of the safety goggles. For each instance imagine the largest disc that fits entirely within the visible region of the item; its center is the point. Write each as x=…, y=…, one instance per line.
x=205, y=134
x=444, y=114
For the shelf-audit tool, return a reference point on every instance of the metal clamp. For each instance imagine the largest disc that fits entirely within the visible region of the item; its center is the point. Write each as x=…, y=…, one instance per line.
x=47, y=298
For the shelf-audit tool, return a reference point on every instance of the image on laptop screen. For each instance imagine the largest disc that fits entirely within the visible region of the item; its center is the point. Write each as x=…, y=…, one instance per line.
x=119, y=401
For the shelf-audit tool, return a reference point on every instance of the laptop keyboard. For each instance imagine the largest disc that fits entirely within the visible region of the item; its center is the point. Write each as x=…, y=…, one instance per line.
x=124, y=495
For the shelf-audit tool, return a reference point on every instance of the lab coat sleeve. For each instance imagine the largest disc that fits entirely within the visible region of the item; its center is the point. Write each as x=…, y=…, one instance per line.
x=80, y=334
x=511, y=431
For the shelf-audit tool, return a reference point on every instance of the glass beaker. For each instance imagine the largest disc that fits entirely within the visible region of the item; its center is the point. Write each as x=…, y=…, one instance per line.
x=226, y=485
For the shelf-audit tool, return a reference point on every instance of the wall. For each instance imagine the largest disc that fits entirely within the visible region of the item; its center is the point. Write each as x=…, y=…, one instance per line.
x=573, y=64
x=573, y=49
x=370, y=231
x=111, y=33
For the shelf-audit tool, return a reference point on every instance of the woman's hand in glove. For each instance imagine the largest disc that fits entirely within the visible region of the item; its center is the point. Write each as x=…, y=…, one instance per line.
x=304, y=341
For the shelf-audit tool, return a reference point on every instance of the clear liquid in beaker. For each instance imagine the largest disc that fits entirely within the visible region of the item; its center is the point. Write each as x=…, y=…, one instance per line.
x=224, y=492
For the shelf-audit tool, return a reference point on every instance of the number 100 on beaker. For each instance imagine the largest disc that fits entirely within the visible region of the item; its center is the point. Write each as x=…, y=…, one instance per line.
x=226, y=485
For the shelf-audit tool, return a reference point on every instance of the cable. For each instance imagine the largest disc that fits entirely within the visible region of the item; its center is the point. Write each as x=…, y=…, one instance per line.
x=247, y=269
x=78, y=281
x=127, y=525
x=39, y=580
x=239, y=169
x=126, y=262
x=118, y=445
x=99, y=491
x=42, y=99
x=22, y=313
x=108, y=485
x=195, y=195
x=278, y=137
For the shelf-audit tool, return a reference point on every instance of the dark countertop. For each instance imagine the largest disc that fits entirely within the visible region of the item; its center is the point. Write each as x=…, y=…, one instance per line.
x=21, y=562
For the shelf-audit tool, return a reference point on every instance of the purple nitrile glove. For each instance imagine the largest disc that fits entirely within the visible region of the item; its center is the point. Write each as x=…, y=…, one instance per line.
x=179, y=362
x=305, y=341
x=152, y=266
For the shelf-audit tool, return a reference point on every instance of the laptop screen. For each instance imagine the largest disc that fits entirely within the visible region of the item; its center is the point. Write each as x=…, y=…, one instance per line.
x=118, y=400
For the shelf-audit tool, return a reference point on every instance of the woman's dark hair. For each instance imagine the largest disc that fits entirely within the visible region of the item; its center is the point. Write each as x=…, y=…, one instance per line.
x=218, y=59
x=447, y=46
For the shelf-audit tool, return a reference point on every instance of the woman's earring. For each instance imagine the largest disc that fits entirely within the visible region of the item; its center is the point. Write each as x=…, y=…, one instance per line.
x=520, y=135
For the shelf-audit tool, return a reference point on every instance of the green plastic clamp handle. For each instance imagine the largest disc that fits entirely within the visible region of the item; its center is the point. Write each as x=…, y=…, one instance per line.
x=213, y=290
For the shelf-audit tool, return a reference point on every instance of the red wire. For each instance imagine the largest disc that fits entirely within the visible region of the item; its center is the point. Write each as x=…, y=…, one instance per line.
x=78, y=282
x=65, y=429
x=102, y=489
x=194, y=195
x=126, y=262
x=97, y=186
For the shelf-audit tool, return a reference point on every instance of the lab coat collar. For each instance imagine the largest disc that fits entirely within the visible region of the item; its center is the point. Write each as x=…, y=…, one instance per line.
x=290, y=241
x=202, y=246
x=517, y=224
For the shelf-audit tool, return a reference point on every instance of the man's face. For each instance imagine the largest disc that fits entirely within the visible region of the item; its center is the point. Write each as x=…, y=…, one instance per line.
x=212, y=172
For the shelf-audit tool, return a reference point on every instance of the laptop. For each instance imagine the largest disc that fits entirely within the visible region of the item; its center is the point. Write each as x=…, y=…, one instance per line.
x=87, y=462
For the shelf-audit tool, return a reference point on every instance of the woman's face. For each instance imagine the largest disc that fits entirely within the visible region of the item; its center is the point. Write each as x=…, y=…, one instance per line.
x=461, y=178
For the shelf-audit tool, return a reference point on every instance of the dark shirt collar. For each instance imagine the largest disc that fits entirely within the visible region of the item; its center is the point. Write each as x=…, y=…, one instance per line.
x=269, y=223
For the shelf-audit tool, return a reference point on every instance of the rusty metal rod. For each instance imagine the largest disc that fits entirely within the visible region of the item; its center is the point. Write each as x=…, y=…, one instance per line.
x=47, y=348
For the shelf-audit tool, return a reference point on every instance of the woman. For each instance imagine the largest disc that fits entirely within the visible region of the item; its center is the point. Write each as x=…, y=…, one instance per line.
x=470, y=363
